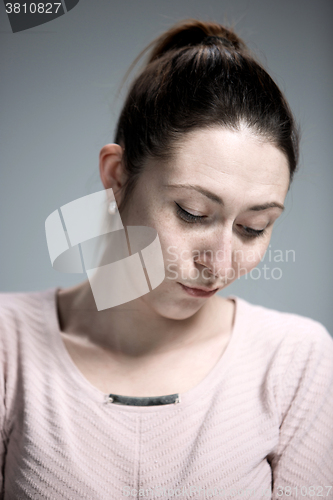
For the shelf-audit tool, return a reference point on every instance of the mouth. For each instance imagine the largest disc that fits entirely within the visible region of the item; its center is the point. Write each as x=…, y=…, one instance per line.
x=198, y=292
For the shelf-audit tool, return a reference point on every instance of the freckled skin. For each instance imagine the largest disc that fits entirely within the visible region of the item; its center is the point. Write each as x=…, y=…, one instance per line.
x=241, y=169
x=167, y=341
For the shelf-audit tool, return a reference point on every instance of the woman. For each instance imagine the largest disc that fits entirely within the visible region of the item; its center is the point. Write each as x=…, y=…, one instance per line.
x=205, y=151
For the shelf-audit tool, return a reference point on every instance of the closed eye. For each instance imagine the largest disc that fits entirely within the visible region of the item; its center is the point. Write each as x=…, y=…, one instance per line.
x=188, y=217
x=249, y=232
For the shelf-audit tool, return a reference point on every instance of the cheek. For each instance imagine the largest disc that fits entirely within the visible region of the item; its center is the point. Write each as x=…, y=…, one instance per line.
x=174, y=246
x=247, y=258
x=170, y=251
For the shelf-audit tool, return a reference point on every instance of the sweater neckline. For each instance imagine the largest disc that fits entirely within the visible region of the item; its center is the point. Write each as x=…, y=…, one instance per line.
x=80, y=383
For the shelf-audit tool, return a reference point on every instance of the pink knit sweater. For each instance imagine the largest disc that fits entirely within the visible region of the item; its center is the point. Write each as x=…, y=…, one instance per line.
x=259, y=426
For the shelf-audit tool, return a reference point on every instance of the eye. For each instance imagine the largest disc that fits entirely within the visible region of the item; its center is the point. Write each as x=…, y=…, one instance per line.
x=249, y=232
x=187, y=217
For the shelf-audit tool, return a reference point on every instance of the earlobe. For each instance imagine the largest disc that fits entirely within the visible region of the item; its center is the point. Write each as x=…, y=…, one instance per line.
x=111, y=166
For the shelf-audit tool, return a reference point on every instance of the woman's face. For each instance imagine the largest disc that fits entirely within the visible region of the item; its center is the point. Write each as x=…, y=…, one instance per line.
x=213, y=208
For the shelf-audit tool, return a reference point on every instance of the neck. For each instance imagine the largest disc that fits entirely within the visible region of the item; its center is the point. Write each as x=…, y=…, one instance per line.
x=134, y=329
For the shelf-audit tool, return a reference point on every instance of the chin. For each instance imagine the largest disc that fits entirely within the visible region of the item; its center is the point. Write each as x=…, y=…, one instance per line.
x=164, y=304
x=175, y=312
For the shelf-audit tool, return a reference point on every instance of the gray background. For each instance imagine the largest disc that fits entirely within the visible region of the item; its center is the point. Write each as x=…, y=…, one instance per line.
x=59, y=107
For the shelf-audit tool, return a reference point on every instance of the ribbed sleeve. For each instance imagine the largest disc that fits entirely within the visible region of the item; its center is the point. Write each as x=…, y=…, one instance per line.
x=3, y=436
x=304, y=455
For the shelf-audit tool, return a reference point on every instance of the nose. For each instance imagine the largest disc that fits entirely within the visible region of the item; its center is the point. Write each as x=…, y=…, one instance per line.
x=215, y=258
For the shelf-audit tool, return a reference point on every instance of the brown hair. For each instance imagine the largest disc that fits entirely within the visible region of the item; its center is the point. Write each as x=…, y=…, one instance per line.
x=199, y=75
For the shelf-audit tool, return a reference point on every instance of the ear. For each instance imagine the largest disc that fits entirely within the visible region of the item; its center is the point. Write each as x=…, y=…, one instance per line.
x=111, y=168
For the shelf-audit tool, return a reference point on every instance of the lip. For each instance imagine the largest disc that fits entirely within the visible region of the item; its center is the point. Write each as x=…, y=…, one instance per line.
x=198, y=292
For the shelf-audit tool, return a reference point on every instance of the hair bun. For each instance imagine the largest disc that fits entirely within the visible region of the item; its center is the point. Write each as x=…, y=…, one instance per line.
x=192, y=32
x=215, y=39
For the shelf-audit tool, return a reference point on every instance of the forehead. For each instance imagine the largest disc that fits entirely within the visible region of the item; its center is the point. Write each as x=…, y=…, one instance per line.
x=222, y=156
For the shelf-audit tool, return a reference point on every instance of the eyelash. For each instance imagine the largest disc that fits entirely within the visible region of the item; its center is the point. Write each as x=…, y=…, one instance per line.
x=254, y=233
x=187, y=217
x=190, y=218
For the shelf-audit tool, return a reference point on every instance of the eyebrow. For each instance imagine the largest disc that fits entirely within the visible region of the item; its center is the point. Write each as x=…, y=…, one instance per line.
x=217, y=199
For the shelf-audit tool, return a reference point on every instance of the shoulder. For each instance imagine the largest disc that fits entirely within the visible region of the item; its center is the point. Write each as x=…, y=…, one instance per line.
x=22, y=331
x=20, y=313
x=22, y=337
x=295, y=354
x=14, y=305
x=283, y=327
x=293, y=348
x=21, y=302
